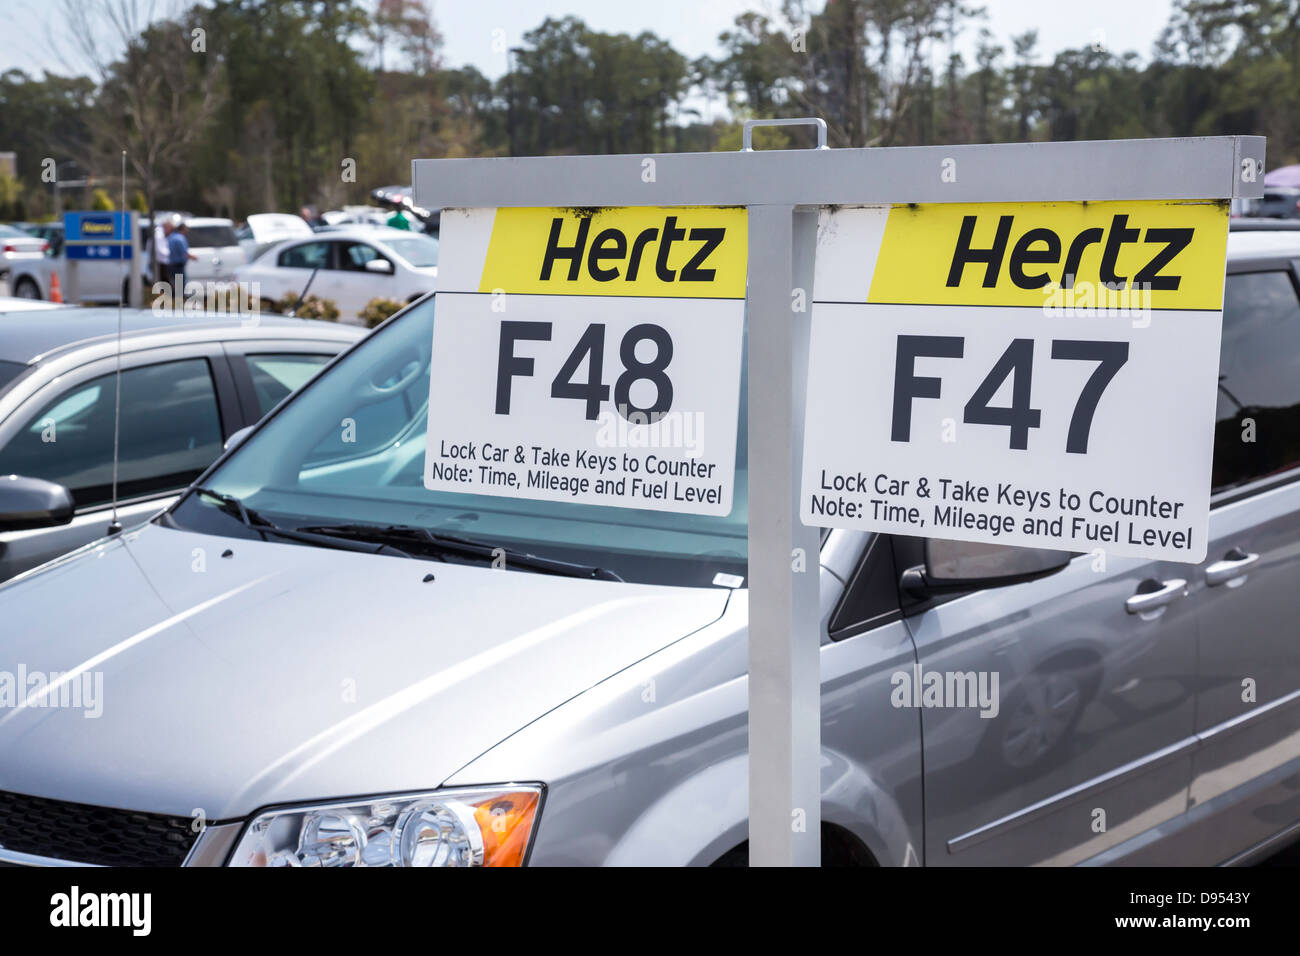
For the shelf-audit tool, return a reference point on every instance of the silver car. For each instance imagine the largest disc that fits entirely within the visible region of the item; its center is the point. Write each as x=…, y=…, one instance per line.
x=189, y=382
x=310, y=660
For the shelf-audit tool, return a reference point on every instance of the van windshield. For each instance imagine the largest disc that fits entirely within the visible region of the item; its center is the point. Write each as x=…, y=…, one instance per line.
x=349, y=448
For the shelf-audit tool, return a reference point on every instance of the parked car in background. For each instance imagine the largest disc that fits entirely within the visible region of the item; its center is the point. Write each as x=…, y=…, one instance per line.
x=1278, y=202
x=263, y=230
x=189, y=382
x=400, y=197
x=51, y=232
x=98, y=280
x=217, y=247
x=18, y=246
x=349, y=266
x=30, y=279
x=356, y=215
x=1258, y=224
x=104, y=280
x=14, y=304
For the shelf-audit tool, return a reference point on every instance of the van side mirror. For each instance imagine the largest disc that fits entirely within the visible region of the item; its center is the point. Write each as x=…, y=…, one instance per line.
x=953, y=566
x=27, y=503
x=382, y=266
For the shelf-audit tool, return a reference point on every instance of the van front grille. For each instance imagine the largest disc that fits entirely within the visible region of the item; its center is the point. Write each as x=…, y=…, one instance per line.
x=81, y=833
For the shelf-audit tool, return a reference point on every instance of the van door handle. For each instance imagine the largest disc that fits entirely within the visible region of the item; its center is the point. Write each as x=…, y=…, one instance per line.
x=1168, y=592
x=1232, y=569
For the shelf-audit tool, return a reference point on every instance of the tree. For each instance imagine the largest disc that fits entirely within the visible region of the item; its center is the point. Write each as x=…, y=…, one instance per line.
x=298, y=98
x=573, y=89
x=858, y=64
x=47, y=117
x=410, y=25
x=1023, y=81
x=155, y=99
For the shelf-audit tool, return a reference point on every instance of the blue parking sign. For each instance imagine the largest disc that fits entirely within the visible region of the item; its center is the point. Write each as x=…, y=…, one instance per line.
x=112, y=229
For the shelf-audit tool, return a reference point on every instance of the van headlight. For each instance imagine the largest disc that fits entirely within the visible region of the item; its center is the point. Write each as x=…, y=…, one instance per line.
x=479, y=827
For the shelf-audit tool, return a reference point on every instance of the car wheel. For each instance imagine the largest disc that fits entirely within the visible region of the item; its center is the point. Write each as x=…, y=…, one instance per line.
x=27, y=289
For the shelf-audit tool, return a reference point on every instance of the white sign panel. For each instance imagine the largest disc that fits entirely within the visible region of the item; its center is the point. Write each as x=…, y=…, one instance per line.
x=590, y=356
x=1038, y=374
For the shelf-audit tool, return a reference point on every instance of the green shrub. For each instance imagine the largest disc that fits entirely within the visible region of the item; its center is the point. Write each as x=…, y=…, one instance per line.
x=378, y=311
x=312, y=307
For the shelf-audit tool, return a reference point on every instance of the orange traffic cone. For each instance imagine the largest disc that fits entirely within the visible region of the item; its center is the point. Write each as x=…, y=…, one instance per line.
x=56, y=292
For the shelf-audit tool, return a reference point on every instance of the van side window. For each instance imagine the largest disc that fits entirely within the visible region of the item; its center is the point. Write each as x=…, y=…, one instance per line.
x=1257, y=423
x=871, y=598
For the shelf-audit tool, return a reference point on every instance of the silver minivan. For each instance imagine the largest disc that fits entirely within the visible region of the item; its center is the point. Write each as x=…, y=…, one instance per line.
x=310, y=660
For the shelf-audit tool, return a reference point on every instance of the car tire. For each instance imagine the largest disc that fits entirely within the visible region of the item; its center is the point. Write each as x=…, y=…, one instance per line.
x=27, y=289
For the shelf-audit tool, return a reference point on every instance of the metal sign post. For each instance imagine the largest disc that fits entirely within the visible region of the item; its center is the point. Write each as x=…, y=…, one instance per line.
x=783, y=190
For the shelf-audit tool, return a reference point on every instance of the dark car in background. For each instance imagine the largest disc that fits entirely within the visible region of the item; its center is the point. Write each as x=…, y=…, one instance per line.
x=1278, y=202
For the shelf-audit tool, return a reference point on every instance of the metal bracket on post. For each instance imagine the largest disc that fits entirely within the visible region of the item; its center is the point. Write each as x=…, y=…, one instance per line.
x=747, y=133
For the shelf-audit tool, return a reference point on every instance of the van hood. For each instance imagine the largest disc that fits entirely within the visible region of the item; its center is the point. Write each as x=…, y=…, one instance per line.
x=224, y=674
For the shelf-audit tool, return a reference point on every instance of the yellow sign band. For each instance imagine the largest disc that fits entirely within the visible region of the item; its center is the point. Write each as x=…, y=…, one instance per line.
x=677, y=252
x=1171, y=254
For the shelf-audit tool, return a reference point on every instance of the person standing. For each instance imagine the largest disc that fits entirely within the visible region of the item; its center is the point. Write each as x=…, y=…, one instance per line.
x=161, y=249
x=179, y=255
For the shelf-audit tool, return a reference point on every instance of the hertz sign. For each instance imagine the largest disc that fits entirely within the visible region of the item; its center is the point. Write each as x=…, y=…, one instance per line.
x=645, y=251
x=589, y=355
x=1037, y=374
x=1007, y=253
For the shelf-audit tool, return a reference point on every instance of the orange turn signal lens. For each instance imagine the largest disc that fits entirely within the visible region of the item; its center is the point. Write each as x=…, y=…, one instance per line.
x=506, y=823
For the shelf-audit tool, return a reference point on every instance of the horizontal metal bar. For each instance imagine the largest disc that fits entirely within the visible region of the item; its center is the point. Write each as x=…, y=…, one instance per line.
x=1207, y=167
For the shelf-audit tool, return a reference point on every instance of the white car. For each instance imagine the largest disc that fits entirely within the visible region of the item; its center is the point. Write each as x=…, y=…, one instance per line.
x=263, y=230
x=17, y=245
x=356, y=215
x=14, y=304
x=347, y=266
x=218, y=250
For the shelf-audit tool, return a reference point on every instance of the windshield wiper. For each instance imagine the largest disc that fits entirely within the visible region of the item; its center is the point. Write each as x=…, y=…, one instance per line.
x=265, y=526
x=445, y=544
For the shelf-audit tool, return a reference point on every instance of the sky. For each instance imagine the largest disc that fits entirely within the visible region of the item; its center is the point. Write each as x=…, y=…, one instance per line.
x=476, y=30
